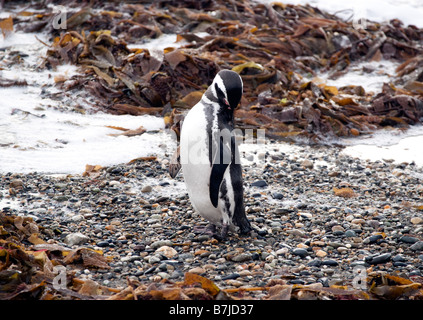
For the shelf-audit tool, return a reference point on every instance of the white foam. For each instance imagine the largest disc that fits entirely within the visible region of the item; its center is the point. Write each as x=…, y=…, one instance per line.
x=162, y=42
x=40, y=134
x=383, y=72
x=394, y=145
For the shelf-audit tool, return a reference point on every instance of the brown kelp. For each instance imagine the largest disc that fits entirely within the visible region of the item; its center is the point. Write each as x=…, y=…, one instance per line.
x=277, y=49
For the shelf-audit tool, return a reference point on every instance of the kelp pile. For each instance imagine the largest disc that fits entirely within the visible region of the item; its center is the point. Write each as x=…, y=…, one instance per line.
x=34, y=268
x=277, y=49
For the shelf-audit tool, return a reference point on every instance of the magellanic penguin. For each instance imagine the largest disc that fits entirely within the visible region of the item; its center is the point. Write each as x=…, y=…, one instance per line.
x=210, y=159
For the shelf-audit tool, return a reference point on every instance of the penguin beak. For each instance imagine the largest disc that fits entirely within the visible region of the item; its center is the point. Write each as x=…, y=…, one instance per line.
x=227, y=103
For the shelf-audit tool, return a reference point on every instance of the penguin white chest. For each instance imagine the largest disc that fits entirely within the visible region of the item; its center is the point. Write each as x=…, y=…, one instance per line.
x=195, y=162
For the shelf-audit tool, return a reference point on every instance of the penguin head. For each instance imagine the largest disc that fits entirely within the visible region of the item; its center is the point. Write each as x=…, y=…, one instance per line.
x=227, y=89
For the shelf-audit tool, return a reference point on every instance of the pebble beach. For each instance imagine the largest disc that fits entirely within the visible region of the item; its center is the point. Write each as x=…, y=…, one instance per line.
x=319, y=216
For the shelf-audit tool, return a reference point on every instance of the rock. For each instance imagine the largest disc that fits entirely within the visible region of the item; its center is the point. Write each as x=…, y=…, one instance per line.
x=282, y=251
x=231, y=276
x=383, y=258
x=153, y=259
x=330, y=262
x=338, y=230
x=297, y=233
x=418, y=246
x=416, y=220
x=300, y=252
x=259, y=183
x=146, y=189
x=308, y=164
x=306, y=215
x=61, y=198
x=277, y=196
x=408, y=239
x=16, y=184
x=234, y=283
x=321, y=253
x=197, y=270
x=372, y=239
x=102, y=244
x=342, y=249
x=163, y=275
x=76, y=239
x=315, y=263
x=161, y=243
x=373, y=223
x=358, y=221
x=350, y=233
x=399, y=258
x=77, y=217
x=167, y=251
x=242, y=257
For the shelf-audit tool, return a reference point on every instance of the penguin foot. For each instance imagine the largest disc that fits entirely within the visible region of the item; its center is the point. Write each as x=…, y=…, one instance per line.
x=223, y=233
x=209, y=230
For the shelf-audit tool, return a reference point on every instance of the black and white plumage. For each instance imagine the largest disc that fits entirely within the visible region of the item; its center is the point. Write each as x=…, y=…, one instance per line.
x=210, y=158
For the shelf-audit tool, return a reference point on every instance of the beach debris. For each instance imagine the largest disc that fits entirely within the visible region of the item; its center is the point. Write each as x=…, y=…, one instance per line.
x=33, y=268
x=278, y=49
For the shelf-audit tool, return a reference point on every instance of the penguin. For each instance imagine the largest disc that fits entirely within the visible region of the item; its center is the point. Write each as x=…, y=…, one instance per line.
x=209, y=157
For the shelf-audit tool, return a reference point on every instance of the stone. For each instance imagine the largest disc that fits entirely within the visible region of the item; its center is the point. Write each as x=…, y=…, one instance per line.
x=330, y=262
x=321, y=253
x=102, y=243
x=160, y=243
x=259, y=183
x=242, y=257
x=146, y=189
x=416, y=220
x=308, y=164
x=167, y=251
x=408, y=239
x=399, y=258
x=315, y=263
x=76, y=239
x=231, y=276
x=197, y=270
x=300, y=252
x=338, y=230
x=16, y=184
x=153, y=259
x=418, y=246
x=342, y=249
x=277, y=196
x=282, y=251
x=373, y=239
x=378, y=259
x=350, y=233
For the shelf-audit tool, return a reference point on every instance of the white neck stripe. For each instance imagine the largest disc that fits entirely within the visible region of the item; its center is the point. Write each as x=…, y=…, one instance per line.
x=218, y=80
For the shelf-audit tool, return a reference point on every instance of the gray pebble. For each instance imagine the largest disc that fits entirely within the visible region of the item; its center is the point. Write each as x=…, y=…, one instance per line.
x=161, y=243
x=378, y=259
x=300, y=252
x=242, y=257
x=418, y=246
x=76, y=238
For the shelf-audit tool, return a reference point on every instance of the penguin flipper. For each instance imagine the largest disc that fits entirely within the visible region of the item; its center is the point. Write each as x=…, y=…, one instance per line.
x=219, y=167
x=175, y=164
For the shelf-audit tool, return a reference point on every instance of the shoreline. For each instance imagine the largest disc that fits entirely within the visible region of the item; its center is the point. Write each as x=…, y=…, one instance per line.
x=318, y=215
